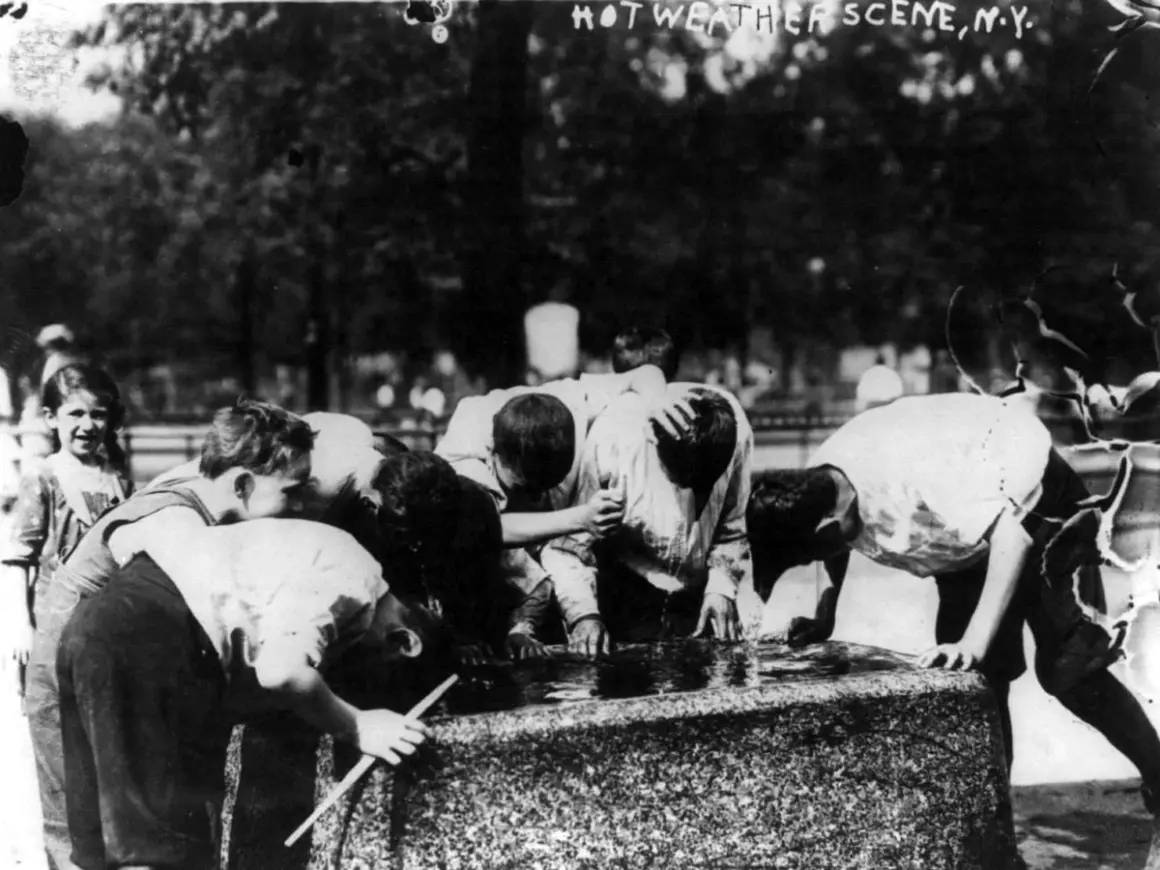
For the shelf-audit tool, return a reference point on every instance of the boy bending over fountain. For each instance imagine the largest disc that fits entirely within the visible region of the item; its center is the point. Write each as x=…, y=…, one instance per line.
x=523, y=446
x=156, y=670
x=675, y=565
x=968, y=489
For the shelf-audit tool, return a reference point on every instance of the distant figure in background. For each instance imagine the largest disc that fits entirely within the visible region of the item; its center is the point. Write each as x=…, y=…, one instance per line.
x=59, y=345
x=60, y=499
x=944, y=375
x=879, y=385
x=645, y=345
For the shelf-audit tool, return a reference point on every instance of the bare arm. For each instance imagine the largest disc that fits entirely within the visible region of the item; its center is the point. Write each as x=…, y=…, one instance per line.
x=300, y=688
x=21, y=557
x=1010, y=546
x=521, y=529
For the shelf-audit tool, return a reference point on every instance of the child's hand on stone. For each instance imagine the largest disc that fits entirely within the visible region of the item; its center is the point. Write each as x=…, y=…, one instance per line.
x=589, y=638
x=604, y=512
x=389, y=735
x=524, y=647
x=950, y=657
x=471, y=654
x=720, y=613
x=804, y=630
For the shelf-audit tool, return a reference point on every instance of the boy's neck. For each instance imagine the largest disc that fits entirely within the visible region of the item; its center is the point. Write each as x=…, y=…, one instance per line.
x=217, y=495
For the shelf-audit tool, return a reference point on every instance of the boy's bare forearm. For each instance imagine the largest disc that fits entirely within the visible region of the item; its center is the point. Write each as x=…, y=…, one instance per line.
x=1010, y=546
x=521, y=529
x=307, y=694
x=836, y=567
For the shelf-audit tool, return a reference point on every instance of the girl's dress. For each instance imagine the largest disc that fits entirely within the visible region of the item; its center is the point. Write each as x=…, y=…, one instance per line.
x=60, y=499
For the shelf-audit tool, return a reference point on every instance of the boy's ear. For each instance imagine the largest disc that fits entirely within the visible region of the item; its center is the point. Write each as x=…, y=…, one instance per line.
x=402, y=643
x=49, y=417
x=244, y=485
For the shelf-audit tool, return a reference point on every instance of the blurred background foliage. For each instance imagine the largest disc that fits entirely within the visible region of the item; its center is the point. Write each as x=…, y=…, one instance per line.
x=301, y=184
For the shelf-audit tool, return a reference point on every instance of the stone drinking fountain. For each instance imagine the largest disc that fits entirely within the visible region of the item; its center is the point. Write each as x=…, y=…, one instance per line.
x=694, y=754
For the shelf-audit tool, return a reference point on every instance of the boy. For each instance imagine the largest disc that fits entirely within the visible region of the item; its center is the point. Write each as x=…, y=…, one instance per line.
x=255, y=459
x=260, y=612
x=968, y=489
x=430, y=538
x=679, y=558
x=523, y=446
x=645, y=345
x=344, y=462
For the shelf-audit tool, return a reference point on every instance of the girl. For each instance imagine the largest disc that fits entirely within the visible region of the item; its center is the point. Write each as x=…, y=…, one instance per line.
x=60, y=499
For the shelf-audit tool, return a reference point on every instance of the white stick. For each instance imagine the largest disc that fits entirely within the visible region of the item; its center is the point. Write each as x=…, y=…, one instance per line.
x=366, y=761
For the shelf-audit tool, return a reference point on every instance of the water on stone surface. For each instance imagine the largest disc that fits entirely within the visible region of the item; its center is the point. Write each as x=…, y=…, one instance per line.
x=640, y=670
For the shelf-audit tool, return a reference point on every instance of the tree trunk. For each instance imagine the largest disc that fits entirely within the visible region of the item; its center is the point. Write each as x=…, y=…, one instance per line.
x=490, y=312
x=247, y=288
x=318, y=324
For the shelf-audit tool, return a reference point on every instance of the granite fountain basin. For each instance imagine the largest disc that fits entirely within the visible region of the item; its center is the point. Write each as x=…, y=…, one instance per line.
x=685, y=755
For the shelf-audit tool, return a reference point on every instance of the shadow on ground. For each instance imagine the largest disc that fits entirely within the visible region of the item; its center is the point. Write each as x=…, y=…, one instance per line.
x=1082, y=826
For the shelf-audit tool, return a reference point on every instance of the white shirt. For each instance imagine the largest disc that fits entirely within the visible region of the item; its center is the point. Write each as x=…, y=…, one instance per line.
x=280, y=587
x=662, y=539
x=879, y=384
x=933, y=474
x=467, y=445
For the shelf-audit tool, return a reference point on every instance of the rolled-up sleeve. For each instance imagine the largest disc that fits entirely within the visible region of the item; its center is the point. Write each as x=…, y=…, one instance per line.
x=465, y=445
x=729, y=560
x=30, y=523
x=571, y=560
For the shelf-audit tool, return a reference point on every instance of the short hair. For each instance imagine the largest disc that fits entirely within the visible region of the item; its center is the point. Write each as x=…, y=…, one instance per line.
x=417, y=519
x=701, y=454
x=534, y=435
x=645, y=345
x=258, y=437
x=782, y=517
x=80, y=377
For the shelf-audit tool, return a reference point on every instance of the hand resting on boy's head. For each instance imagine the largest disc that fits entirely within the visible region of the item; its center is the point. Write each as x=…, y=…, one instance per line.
x=671, y=412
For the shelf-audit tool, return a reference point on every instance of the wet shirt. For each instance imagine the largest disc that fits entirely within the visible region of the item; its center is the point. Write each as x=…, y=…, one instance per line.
x=663, y=539
x=934, y=474
x=283, y=588
x=467, y=445
x=60, y=499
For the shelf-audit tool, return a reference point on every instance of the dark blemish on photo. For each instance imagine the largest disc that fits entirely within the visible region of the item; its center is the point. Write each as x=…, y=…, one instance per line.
x=294, y=157
x=13, y=151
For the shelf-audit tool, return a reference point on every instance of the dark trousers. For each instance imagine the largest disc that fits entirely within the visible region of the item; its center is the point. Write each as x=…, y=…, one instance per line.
x=141, y=691
x=635, y=611
x=1072, y=653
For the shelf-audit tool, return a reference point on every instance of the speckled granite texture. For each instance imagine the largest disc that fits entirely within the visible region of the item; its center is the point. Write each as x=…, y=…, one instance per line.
x=887, y=767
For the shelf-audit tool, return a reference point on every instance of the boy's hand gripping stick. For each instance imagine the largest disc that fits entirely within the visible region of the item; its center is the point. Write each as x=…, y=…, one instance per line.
x=366, y=762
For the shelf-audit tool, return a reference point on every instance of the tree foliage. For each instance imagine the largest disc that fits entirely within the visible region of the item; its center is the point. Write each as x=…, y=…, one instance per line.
x=279, y=164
